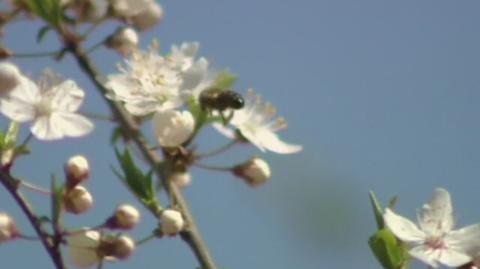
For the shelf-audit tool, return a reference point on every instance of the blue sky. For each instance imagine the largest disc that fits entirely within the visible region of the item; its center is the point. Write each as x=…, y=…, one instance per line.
x=382, y=94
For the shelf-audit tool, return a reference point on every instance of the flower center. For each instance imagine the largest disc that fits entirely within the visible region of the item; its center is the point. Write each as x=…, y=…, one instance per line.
x=44, y=108
x=436, y=243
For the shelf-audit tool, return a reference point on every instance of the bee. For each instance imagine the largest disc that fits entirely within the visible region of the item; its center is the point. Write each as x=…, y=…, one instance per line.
x=220, y=100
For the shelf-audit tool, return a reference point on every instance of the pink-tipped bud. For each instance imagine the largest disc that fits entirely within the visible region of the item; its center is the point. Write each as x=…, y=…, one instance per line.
x=125, y=217
x=255, y=172
x=10, y=77
x=78, y=200
x=8, y=229
x=171, y=222
x=181, y=179
x=123, y=247
x=77, y=170
x=124, y=40
x=150, y=16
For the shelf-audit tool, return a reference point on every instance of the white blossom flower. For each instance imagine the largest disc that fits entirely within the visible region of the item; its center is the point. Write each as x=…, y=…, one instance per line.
x=171, y=221
x=147, y=83
x=255, y=172
x=124, y=40
x=173, y=127
x=255, y=122
x=83, y=248
x=50, y=106
x=435, y=242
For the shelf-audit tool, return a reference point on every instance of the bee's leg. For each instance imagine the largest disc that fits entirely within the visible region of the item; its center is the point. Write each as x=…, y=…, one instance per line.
x=226, y=120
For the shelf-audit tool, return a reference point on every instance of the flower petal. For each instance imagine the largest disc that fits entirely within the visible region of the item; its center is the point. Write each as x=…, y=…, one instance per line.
x=228, y=132
x=270, y=141
x=403, y=228
x=17, y=110
x=71, y=124
x=44, y=128
x=436, y=217
x=466, y=240
x=19, y=104
x=426, y=254
x=67, y=96
x=82, y=248
x=453, y=258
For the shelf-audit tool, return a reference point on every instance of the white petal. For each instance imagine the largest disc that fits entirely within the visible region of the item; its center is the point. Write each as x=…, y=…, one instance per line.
x=195, y=74
x=27, y=91
x=436, y=217
x=122, y=86
x=71, y=124
x=19, y=104
x=270, y=141
x=466, y=240
x=142, y=107
x=403, y=228
x=17, y=110
x=44, y=129
x=67, y=96
x=426, y=254
x=228, y=132
x=453, y=258
x=82, y=248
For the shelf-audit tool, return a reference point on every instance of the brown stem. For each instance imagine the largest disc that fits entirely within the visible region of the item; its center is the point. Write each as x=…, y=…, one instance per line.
x=191, y=235
x=11, y=184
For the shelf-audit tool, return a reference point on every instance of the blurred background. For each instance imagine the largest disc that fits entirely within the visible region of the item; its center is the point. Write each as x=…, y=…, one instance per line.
x=383, y=95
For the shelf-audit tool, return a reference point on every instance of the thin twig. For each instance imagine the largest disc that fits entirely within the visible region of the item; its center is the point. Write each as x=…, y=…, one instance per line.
x=191, y=235
x=11, y=184
x=211, y=167
x=145, y=239
x=219, y=150
x=34, y=188
x=35, y=54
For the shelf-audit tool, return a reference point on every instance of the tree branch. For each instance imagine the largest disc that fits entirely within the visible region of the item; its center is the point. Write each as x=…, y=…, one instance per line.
x=191, y=235
x=11, y=184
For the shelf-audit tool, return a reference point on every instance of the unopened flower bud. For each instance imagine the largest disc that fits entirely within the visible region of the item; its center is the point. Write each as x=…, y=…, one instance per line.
x=150, y=16
x=181, y=179
x=78, y=200
x=125, y=217
x=124, y=40
x=171, y=222
x=10, y=77
x=77, y=170
x=83, y=248
x=8, y=229
x=172, y=128
x=255, y=172
x=123, y=247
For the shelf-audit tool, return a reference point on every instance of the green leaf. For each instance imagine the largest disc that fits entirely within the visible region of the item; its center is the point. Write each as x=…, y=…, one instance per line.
x=49, y=10
x=377, y=210
x=42, y=32
x=10, y=139
x=139, y=183
x=388, y=250
x=224, y=80
x=116, y=135
x=57, y=191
